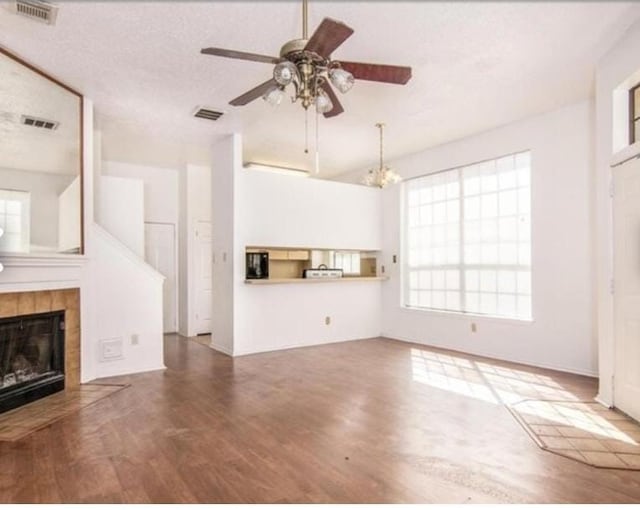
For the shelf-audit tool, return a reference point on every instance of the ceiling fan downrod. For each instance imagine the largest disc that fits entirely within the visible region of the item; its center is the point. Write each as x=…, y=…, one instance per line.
x=305, y=20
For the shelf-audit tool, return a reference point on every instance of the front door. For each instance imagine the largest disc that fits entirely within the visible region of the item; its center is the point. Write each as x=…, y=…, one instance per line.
x=626, y=220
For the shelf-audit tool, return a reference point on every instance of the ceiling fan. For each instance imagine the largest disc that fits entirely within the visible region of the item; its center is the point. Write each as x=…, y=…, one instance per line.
x=306, y=63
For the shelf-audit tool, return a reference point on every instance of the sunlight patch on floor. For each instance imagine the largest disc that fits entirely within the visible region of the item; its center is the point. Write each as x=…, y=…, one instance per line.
x=538, y=398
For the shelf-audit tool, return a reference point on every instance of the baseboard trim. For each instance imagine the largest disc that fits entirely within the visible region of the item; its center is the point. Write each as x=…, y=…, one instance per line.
x=299, y=346
x=479, y=352
x=221, y=348
x=130, y=372
x=599, y=400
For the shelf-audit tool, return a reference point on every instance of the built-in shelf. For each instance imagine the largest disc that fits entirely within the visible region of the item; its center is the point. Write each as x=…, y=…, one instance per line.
x=274, y=281
x=288, y=264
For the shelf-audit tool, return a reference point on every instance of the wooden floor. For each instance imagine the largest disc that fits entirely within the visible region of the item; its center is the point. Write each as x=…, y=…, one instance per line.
x=365, y=421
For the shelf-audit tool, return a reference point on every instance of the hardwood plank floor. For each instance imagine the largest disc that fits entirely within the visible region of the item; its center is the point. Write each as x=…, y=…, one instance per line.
x=364, y=421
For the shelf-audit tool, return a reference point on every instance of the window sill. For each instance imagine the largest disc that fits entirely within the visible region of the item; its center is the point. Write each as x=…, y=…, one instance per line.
x=469, y=316
x=629, y=152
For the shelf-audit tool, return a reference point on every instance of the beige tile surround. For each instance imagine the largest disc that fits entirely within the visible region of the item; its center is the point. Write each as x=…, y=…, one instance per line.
x=13, y=304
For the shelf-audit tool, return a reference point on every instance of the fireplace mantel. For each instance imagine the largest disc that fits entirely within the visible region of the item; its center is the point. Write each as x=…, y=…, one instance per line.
x=29, y=272
x=41, y=259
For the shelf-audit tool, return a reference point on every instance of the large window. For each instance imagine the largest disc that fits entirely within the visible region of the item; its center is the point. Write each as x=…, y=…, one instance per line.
x=349, y=262
x=14, y=220
x=468, y=239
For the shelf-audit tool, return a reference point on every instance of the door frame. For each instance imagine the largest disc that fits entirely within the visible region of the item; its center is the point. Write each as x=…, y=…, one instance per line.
x=176, y=270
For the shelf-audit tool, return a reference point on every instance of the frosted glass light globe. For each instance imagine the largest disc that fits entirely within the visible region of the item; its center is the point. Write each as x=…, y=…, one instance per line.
x=284, y=73
x=323, y=102
x=274, y=96
x=341, y=79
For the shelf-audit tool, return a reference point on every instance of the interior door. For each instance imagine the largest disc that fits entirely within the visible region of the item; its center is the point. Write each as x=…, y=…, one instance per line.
x=160, y=252
x=626, y=220
x=203, y=278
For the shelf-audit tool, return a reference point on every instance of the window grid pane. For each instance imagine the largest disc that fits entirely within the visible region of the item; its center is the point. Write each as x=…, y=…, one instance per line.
x=468, y=239
x=14, y=220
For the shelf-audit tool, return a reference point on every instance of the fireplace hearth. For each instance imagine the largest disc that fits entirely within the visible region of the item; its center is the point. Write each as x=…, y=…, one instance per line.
x=31, y=358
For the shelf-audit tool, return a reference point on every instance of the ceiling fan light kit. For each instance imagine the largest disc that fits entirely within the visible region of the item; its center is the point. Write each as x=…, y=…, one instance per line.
x=307, y=65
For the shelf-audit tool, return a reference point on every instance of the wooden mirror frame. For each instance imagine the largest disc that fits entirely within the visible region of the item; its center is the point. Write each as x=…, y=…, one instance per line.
x=57, y=82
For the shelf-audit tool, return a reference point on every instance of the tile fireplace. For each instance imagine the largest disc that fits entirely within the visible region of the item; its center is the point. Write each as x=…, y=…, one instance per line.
x=31, y=358
x=39, y=344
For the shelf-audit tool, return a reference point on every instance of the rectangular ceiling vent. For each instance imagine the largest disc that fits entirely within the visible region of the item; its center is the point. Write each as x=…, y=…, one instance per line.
x=38, y=10
x=207, y=113
x=37, y=122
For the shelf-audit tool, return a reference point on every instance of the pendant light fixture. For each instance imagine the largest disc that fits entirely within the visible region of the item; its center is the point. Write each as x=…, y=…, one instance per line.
x=383, y=175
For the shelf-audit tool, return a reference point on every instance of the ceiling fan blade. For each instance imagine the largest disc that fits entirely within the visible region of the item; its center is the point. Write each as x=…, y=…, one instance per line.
x=242, y=55
x=378, y=72
x=328, y=36
x=254, y=93
x=337, y=107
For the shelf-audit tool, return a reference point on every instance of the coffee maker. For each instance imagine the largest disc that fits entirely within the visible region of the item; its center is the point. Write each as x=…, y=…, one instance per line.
x=257, y=266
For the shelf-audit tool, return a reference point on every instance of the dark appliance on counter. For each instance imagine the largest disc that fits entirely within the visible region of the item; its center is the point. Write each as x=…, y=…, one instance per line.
x=257, y=266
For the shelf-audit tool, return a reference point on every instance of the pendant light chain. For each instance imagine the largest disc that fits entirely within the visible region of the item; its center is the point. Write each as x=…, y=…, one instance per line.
x=306, y=131
x=317, y=159
x=382, y=176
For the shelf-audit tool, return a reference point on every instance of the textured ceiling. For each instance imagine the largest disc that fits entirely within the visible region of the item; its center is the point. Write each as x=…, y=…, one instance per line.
x=476, y=65
x=25, y=92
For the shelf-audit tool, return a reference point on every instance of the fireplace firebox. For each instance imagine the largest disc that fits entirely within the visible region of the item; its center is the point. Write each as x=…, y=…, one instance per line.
x=31, y=358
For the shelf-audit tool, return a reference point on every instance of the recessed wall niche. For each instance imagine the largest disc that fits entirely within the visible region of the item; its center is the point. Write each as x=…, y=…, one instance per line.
x=40, y=162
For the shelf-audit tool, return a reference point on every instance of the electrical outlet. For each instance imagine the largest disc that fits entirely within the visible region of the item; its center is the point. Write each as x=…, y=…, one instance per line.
x=327, y=320
x=135, y=339
x=474, y=328
x=395, y=259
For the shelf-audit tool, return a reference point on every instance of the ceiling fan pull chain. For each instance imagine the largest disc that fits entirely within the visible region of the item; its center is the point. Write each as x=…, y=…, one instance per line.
x=306, y=131
x=317, y=162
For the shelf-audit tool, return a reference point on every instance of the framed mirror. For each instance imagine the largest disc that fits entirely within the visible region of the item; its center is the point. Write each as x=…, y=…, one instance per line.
x=40, y=162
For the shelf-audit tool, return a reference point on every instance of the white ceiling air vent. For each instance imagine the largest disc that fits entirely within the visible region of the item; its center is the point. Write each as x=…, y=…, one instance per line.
x=207, y=113
x=37, y=122
x=39, y=10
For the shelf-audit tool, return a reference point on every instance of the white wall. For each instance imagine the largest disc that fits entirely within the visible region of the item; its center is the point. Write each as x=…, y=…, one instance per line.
x=161, y=204
x=562, y=335
x=160, y=189
x=44, y=188
x=618, y=68
x=122, y=294
x=121, y=211
x=127, y=296
x=226, y=161
x=280, y=210
x=69, y=217
x=273, y=317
